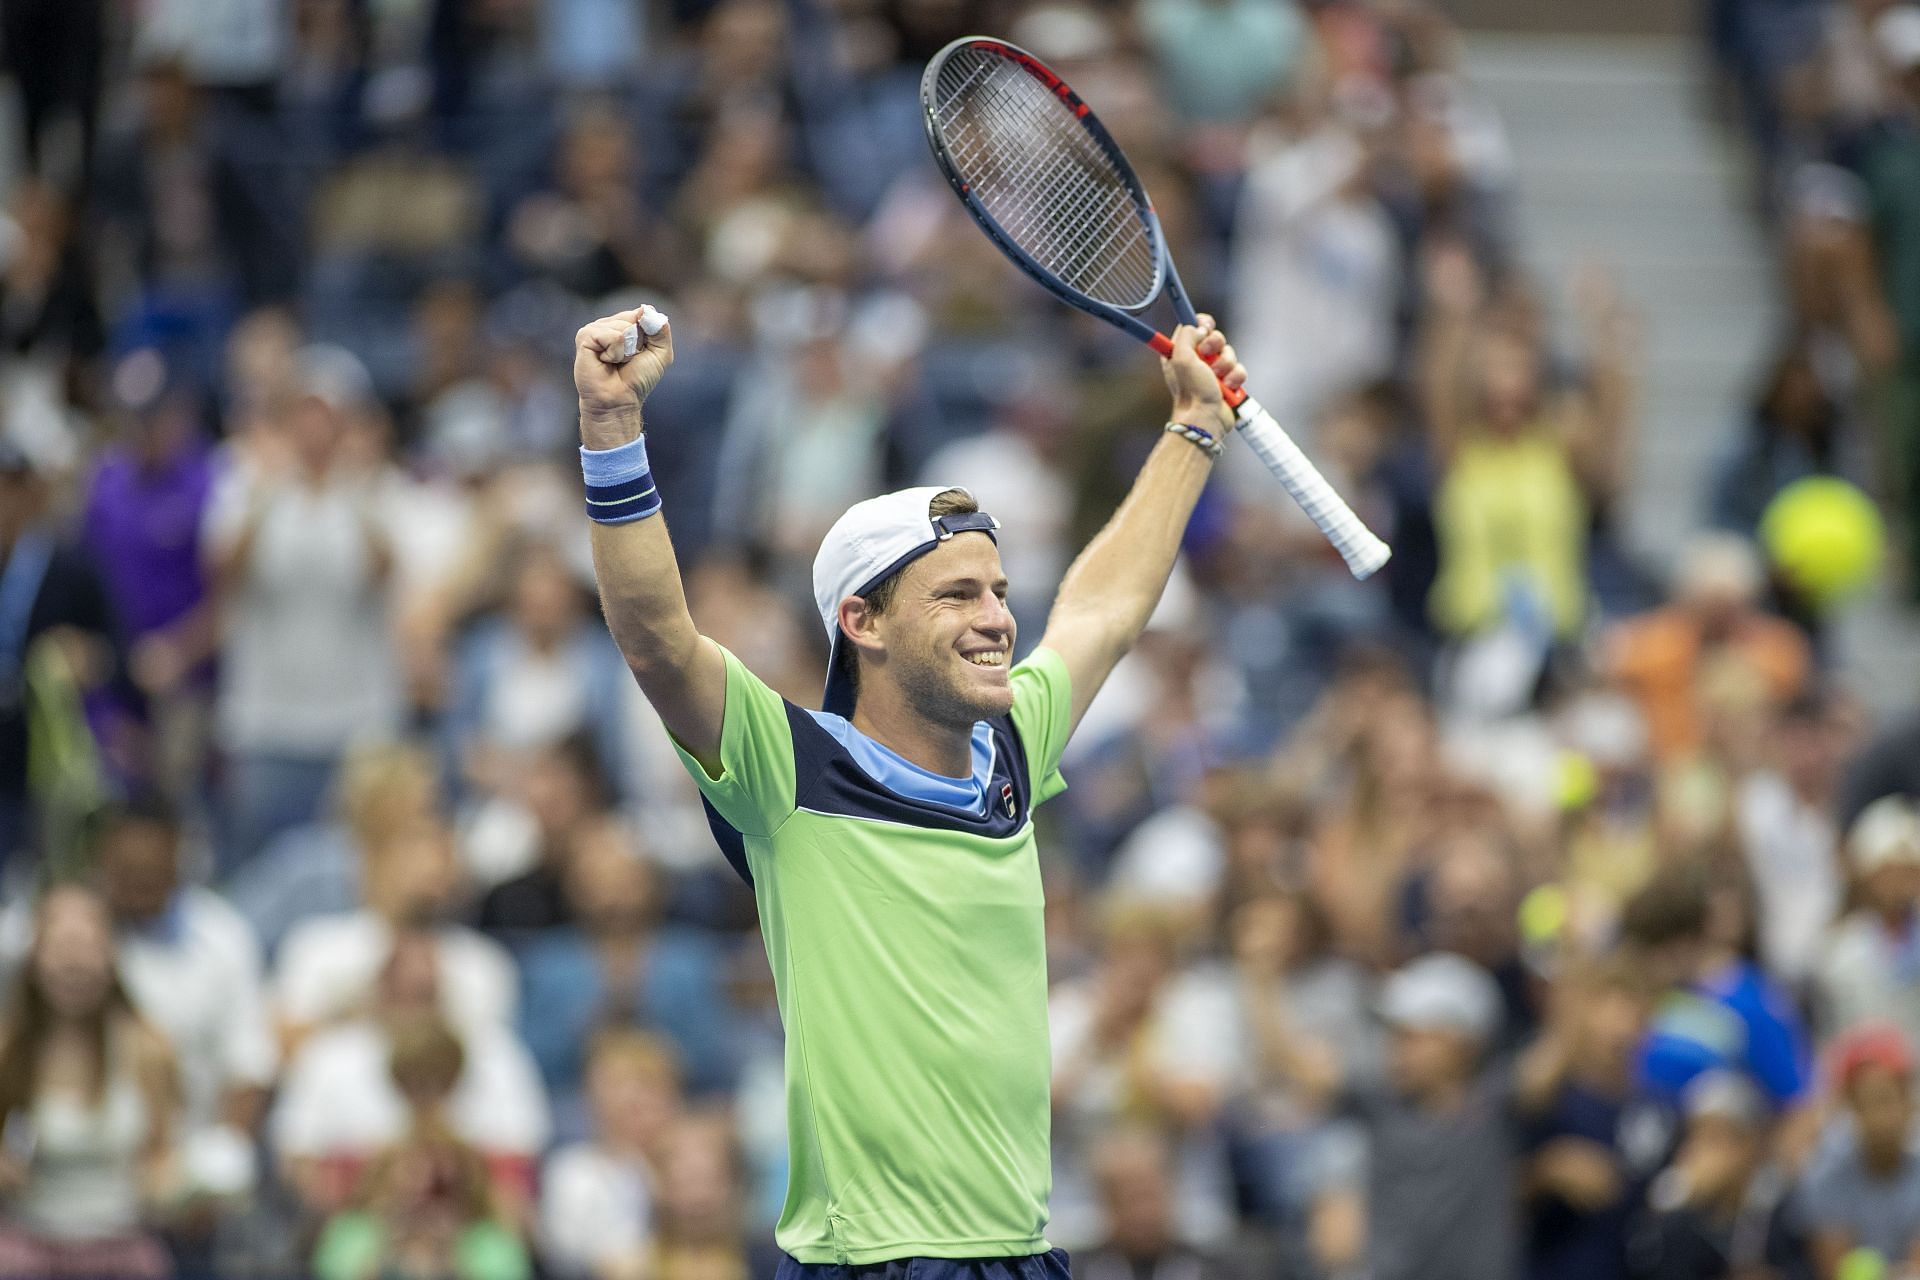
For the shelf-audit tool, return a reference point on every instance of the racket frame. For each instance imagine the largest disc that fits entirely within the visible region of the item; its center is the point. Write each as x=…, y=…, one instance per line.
x=1363, y=552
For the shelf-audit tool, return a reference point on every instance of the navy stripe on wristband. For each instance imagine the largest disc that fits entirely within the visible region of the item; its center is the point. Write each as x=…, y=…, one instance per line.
x=619, y=483
x=616, y=507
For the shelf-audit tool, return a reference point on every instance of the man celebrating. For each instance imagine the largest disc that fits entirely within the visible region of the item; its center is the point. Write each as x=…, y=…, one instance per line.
x=889, y=837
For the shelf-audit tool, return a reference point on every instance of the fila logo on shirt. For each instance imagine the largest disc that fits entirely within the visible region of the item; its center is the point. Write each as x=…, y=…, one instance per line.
x=1006, y=797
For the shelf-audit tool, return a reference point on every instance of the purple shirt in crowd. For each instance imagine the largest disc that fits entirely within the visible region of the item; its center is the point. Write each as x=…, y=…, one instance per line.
x=143, y=524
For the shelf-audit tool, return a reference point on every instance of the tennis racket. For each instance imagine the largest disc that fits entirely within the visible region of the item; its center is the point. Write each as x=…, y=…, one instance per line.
x=1050, y=187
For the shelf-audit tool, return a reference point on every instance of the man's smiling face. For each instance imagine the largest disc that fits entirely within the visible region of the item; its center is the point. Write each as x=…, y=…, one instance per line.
x=947, y=635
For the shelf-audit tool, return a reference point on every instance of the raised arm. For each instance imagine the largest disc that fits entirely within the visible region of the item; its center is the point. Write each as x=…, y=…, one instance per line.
x=1110, y=590
x=682, y=672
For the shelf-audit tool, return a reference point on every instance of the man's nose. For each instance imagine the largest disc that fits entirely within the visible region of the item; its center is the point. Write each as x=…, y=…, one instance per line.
x=995, y=616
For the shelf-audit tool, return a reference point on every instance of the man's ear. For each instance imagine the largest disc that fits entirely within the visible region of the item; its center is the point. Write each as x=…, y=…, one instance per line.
x=860, y=625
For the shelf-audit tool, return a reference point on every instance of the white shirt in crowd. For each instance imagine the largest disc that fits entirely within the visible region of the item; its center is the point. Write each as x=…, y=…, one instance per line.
x=594, y=1207
x=1175, y=856
x=196, y=974
x=1182, y=1041
x=1790, y=848
x=1315, y=275
x=328, y=968
x=339, y=1098
x=1870, y=972
x=309, y=664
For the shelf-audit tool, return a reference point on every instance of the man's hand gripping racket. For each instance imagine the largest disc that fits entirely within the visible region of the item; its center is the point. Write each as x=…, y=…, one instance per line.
x=1050, y=187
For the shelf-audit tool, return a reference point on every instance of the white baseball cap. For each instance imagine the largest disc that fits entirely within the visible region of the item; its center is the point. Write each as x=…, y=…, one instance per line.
x=1442, y=992
x=1886, y=833
x=873, y=541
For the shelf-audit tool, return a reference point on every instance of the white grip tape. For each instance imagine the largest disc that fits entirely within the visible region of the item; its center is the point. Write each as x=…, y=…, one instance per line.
x=1363, y=552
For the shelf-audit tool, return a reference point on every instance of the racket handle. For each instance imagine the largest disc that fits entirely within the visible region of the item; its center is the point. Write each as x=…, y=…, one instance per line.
x=1363, y=552
x=1163, y=347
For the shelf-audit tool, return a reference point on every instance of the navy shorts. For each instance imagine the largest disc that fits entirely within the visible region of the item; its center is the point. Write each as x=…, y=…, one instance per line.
x=1034, y=1266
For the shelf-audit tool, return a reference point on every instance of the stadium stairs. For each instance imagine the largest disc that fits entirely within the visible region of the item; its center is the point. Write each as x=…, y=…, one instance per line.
x=1620, y=162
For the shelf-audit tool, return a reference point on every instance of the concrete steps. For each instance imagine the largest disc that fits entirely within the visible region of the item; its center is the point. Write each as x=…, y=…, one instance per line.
x=1619, y=163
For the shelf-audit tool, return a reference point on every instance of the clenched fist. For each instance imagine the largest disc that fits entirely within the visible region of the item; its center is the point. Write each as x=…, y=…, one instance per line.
x=616, y=362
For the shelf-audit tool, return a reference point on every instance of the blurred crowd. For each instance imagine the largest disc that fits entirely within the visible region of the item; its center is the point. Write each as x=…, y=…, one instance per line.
x=1537, y=909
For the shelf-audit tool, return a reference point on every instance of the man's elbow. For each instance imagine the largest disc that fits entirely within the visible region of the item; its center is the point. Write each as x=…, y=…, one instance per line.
x=658, y=653
x=1108, y=627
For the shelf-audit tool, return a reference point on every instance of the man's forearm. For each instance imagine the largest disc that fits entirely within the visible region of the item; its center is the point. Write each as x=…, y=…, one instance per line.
x=639, y=575
x=1114, y=584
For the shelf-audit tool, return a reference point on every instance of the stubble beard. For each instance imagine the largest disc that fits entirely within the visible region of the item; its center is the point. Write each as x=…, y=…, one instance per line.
x=933, y=692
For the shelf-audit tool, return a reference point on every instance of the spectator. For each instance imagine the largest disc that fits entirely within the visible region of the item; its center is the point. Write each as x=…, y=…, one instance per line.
x=1792, y=431
x=1719, y=1209
x=329, y=965
x=1717, y=1009
x=1466, y=903
x=94, y=1085
x=46, y=284
x=596, y=1207
x=1871, y=969
x=1524, y=471
x=1136, y=1039
x=700, y=1225
x=144, y=510
x=170, y=221
x=1784, y=812
x=342, y=1102
x=558, y=792
x=1440, y=1110
x=427, y=1203
x=300, y=559
x=1315, y=261
x=1714, y=624
x=191, y=966
x=1133, y=1170
x=1861, y=1200
x=585, y=231
x=1295, y=1000
x=618, y=964
x=315, y=870
x=49, y=591
x=1592, y=1144
x=57, y=54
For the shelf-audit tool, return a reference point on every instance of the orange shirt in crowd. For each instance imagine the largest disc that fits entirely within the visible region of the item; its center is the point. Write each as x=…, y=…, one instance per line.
x=1660, y=657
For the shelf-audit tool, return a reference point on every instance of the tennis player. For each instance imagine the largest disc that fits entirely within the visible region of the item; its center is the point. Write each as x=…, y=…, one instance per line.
x=889, y=836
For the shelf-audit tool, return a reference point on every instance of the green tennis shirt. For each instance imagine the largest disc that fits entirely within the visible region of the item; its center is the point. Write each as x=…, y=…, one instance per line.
x=902, y=916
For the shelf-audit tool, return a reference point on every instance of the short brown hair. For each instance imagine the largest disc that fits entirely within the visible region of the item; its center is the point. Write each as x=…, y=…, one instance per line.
x=879, y=597
x=1671, y=908
x=426, y=1057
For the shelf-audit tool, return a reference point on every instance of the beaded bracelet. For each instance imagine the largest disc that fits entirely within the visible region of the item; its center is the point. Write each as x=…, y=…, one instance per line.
x=1211, y=444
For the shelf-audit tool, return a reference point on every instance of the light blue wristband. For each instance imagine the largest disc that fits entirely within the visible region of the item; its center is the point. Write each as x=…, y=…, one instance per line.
x=620, y=486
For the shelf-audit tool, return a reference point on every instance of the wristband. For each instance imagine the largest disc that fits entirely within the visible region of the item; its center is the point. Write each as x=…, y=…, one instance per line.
x=620, y=485
x=1209, y=443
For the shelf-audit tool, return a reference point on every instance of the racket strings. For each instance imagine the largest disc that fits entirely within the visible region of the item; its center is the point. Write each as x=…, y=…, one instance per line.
x=1043, y=178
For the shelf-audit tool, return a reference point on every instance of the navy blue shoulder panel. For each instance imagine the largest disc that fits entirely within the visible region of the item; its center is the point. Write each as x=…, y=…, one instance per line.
x=827, y=780
x=732, y=844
